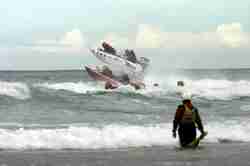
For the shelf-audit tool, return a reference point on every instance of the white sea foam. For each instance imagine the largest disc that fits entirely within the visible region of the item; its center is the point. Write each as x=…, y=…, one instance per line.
x=220, y=89
x=113, y=136
x=229, y=130
x=77, y=87
x=212, y=89
x=16, y=90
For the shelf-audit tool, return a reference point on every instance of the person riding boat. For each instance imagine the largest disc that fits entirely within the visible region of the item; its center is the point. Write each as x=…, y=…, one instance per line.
x=130, y=56
x=108, y=48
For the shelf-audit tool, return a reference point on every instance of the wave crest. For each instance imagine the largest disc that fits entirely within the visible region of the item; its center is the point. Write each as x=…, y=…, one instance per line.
x=78, y=87
x=211, y=89
x=17, y=90
x=111, y=136
x=114, y=136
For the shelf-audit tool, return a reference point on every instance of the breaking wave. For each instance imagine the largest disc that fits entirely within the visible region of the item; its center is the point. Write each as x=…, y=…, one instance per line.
x=78, y=87
x=205, y=88
x=114, y=136
x=211, y=89
x=220, y=89
x=111, y=136
x=16, y=90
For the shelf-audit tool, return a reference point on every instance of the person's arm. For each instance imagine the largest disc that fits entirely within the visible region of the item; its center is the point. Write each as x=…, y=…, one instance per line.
x=177, y=119
x=198, y=120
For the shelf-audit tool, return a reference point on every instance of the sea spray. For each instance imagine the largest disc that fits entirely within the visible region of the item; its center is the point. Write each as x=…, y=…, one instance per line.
x=16, y=90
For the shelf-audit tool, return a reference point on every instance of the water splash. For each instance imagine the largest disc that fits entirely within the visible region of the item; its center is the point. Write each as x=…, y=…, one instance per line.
x=16, y=90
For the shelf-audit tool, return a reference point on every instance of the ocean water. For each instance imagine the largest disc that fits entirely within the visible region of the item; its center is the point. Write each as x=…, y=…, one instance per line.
x=68, y=110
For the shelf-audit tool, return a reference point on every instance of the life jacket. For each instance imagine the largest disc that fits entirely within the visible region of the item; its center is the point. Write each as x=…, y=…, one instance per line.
x=188, y=115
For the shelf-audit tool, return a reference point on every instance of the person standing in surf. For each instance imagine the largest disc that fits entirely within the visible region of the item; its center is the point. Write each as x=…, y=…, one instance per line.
x=185, y=120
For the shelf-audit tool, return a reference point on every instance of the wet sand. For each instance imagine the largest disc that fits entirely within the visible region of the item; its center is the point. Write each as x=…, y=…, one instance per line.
x=208, y=154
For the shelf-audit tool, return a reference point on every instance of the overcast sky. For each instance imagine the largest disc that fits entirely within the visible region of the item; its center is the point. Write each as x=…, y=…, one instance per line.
x=48, y=35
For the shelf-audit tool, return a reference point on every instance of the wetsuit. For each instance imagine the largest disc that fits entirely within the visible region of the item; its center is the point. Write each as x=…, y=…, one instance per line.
x=186, y=120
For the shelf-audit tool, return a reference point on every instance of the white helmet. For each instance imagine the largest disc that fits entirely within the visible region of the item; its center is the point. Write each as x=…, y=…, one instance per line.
x=186, y=95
